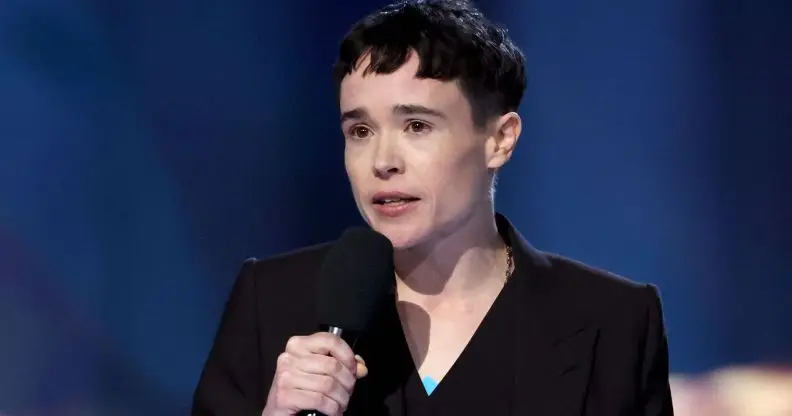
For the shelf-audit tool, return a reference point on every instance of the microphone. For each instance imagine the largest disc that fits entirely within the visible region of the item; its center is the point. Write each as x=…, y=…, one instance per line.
x=355, y=279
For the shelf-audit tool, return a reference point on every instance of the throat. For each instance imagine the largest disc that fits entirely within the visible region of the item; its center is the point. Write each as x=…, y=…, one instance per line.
x=438, y=337
x=438, y=279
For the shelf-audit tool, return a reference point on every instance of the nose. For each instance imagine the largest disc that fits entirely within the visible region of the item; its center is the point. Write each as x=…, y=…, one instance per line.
x=388, y=160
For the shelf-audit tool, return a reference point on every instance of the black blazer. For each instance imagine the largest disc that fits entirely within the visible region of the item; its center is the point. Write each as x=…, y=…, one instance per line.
x=588, y=342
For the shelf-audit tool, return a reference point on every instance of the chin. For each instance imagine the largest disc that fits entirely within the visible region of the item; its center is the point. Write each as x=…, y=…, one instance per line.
x=402, y=236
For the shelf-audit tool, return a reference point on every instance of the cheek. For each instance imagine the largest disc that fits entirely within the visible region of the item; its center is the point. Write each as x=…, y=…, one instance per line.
x=462, y=176
x=360, y=179
x=352, y=170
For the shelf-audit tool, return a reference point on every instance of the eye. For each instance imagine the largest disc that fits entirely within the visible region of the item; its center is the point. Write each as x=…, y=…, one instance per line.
x=358, y=132
x=418, y=127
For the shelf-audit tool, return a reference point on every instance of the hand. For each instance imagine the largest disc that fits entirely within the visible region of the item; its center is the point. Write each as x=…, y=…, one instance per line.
x=316, y=372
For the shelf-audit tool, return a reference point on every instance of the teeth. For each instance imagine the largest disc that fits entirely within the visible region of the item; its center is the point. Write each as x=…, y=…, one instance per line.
x=393, y=200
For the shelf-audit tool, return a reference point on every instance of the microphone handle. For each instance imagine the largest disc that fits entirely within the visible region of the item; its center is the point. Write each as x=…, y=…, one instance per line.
x=349, y=337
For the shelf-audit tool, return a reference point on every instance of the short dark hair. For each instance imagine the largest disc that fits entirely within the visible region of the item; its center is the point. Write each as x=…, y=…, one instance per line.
x=453, y=41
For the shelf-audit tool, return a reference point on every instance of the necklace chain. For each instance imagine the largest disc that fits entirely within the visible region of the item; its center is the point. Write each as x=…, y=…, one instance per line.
x=509, y=262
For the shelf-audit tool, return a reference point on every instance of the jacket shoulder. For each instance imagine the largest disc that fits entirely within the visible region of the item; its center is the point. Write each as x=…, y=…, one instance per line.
x=596, y=289
x=284, y=283
x=298, y=264
x=588, y=277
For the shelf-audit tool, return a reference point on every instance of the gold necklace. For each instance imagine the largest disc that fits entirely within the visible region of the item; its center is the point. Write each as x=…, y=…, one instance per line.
x=509, y=263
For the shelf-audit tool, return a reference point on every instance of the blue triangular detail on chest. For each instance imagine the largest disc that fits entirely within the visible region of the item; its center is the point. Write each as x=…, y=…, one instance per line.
x=429, y=384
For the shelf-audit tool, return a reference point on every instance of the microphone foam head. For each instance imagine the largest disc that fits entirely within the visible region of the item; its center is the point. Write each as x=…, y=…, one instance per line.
x=355, y=278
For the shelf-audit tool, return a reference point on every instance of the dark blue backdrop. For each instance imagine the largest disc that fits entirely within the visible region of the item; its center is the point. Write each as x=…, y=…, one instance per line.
x=147, y=148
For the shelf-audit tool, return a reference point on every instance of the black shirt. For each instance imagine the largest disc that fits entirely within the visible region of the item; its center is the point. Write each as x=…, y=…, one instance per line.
x=481, y=381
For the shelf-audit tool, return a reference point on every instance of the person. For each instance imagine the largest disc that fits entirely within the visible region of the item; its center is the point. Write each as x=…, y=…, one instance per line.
x=481, y=322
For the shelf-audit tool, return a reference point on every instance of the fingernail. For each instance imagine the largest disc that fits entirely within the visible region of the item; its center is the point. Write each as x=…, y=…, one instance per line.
x=362, y=371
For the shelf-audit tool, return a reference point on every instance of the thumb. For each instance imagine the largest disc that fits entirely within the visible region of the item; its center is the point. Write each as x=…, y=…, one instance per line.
x=361, y=370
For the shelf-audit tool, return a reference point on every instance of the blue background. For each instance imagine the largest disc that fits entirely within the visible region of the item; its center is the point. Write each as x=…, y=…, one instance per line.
x=148, y=147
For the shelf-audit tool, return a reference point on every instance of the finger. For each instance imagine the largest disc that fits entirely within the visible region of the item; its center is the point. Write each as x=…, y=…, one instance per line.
x=361, y=370
x=326, y=385
x=327, y=344
x=284, y=362
x=313, y=383
x=296, y=345
x=296, y=400
x=328, y=366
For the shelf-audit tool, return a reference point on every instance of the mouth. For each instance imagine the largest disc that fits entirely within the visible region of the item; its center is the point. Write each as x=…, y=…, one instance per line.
x=393, y=199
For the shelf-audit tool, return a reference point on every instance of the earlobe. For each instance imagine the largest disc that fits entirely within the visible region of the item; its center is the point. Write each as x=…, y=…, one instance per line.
x=506, y=133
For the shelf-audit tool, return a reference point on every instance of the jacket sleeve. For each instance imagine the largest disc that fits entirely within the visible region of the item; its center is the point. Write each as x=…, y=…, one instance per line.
x=655, y=388
x=231, y=381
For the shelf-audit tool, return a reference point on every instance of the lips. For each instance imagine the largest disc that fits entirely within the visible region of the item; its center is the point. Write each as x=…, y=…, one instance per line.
x=393, y=198
x=394, y=204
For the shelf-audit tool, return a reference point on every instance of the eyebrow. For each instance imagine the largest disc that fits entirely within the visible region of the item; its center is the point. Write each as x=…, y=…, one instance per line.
x=412, y=109
x=355, y=114
x=398, y=109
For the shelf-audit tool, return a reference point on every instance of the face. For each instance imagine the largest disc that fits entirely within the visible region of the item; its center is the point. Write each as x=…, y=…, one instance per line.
x=418, y=166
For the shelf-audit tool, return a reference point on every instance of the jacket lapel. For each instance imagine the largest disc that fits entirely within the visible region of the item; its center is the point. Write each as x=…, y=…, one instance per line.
x=553, y=343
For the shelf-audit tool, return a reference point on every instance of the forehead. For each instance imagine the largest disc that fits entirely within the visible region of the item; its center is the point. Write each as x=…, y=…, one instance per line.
x=383, y=91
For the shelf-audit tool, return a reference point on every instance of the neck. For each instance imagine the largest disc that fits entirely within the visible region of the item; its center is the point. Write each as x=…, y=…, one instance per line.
x=458, y=262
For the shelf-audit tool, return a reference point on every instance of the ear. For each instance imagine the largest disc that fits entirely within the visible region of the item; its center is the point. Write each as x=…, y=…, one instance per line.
x=503, y=139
